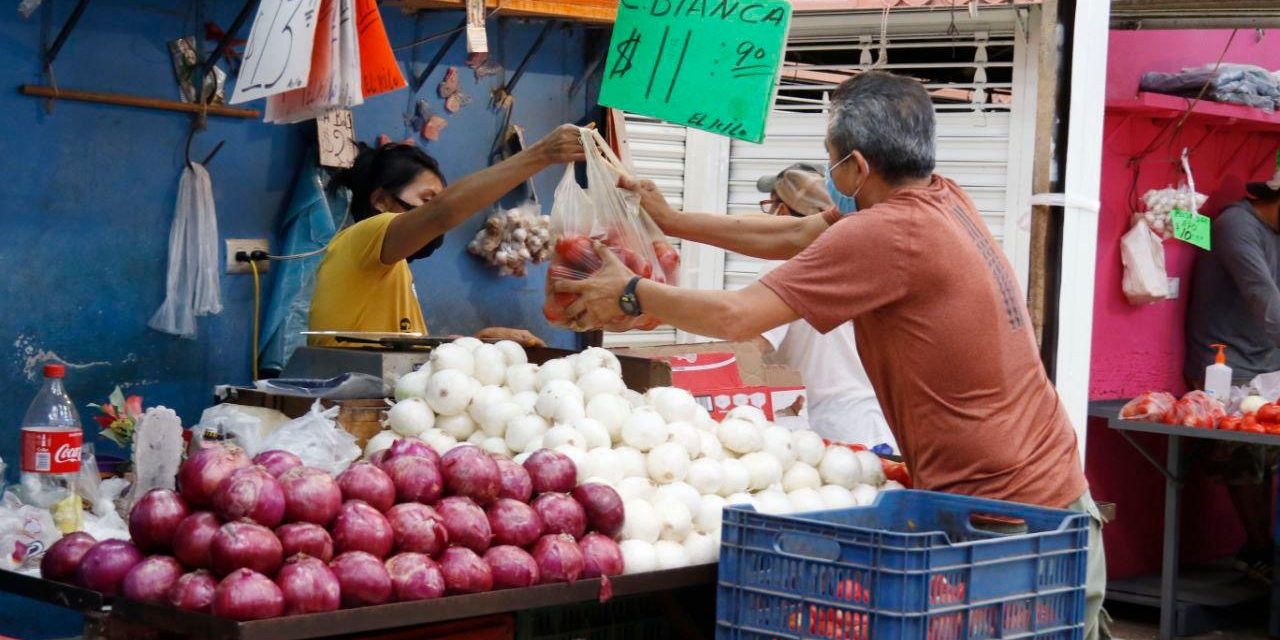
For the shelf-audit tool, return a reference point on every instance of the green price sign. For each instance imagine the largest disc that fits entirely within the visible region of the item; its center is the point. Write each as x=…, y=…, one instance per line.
x=706, y=64
x=1191, y=227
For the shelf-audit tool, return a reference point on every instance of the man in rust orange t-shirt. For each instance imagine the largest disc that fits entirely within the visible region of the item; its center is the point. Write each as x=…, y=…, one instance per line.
x=940, y=321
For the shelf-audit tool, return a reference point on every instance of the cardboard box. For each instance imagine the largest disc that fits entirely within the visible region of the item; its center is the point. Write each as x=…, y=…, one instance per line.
x=752, y=367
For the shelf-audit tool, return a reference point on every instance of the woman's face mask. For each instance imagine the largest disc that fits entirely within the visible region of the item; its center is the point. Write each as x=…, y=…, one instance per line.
x=845, y=204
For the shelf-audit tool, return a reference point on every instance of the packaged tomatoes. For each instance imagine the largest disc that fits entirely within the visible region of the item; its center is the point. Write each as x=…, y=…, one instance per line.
x=1196, y=409
x=1151, y=406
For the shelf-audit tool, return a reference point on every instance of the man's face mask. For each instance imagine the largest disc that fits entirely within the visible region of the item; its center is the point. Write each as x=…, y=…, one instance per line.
x=846, y=204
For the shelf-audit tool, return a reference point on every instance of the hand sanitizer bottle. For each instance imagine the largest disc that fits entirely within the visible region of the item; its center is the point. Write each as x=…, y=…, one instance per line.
x=1217, y=376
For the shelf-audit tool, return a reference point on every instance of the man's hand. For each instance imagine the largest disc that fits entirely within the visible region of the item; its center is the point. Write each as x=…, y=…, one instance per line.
x=562, y=145
x=652, y=200
x=597, y=303
x=517, y=335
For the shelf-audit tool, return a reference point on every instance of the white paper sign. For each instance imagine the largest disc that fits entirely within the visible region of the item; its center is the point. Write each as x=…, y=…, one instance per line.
x=277, y=57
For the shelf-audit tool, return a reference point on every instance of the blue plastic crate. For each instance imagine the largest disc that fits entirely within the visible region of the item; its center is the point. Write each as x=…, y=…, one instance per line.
x=912, y=566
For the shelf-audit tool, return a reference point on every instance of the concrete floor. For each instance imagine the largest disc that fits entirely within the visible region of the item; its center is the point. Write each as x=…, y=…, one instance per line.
x=1144, y=624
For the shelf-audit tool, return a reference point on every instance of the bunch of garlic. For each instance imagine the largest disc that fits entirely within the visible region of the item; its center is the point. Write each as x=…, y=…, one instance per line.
x=512, y=238
x=1160, y=202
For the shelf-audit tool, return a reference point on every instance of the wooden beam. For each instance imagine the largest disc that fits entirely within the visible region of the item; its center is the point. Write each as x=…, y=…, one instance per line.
x=1041, y=174
x=143, y=102
x=596, y=11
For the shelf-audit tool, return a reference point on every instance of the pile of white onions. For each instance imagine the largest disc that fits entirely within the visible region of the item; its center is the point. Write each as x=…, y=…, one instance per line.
x=673, y=465
x=512, y=238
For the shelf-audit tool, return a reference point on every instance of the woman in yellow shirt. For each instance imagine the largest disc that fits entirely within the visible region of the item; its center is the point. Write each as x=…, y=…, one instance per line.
x=401, y=210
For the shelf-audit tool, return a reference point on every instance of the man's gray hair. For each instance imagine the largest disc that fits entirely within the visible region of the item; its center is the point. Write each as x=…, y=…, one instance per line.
x=887, y=117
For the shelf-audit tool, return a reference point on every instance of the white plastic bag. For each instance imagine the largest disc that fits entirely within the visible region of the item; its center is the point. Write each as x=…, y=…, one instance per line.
x=1141, y=251
x=1267, y=385
x=245, y=426
x=317, y=439
x=191, y=285
x=25, y=533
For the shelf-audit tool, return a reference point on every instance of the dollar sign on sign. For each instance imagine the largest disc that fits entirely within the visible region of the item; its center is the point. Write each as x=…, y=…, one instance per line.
x=626, y=50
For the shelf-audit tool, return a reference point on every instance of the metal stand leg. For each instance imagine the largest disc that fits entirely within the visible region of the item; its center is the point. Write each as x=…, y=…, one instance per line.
x=1172, y=522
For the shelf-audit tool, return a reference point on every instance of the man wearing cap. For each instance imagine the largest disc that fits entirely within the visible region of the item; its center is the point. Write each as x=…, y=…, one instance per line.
x=842, y=402
x=1235, y=301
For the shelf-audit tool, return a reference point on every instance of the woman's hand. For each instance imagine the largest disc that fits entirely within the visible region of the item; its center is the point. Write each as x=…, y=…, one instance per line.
x=515, y=335
x=652, y=201
x=562, y=145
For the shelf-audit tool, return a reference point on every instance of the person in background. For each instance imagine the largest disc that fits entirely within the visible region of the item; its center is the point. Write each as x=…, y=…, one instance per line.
x=1235, y=301
x=842, y=403
x=942, y=327
x=401, y=209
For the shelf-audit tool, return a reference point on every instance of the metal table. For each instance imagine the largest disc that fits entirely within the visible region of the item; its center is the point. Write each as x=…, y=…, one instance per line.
x=1172, y=471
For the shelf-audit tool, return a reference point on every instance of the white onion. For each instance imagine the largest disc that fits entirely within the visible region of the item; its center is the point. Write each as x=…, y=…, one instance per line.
x=686, y=436
x=670, y=555
x=512, y=352
x=740, y=436
x=410, y=417
x=522, y=430
x=579, y=458
x=476, y=438
x=413, y=384
x=750, y=414
x=808, y=446
x=734, y=477
x=673, y=404
x=450, y=391
x=563, y=434
x=682, y=492
x=632, y=462
x=674, y=518
x=452, y=356
x=485, y=399
x=496, y=446
x=600, y=382
x=593, y=433
x=710, y=514
x=777, y=443
x=635, y=488
x=705, y=476
x=526, y=400
x=519, y=458
x=641, y=522
x=709, y=446
x=667, y=463
x=644, y=429
x=382, y=440
x=703, y=419
x=864, y=495
x=558, y=369
x=892, y=485
x=602, y=462
x=439, y=440
x=634, y=398
x=490, y=365
x=593, y=358
x=840, y=466
x=522, y=377
x=773, y=501
x=763, y=469
x=835, y=496
x=494, y=419
x=701, y=549
x=805, y=499
x=638, y=556
x=800, y=476
x=872, y=470
x=740, y=499
x=560, y=402
x=610, y=411
x=470, y=343
x=459, y=427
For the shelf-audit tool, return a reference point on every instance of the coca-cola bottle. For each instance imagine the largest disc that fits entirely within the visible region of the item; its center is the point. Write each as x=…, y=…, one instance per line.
x=51, y=444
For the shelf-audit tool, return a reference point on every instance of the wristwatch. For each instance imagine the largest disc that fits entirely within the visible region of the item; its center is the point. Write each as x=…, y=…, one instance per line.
x=628, y=301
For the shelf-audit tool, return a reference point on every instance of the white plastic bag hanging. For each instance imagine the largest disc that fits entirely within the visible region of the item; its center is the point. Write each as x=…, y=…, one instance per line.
x=1145, y=279
x=191, y=285
x=317, y=439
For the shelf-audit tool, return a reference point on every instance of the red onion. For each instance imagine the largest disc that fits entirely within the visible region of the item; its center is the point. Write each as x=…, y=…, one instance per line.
x=418, y=528
x=559, y=558
x=192, y=537
x=63, y=557
x=514, y=523
x=247, y=595
x=308, y=586
x=154, y=518
x=251, y=493
x=414, y=576
x=516, y=483
x=512, y=567
x=363, y=481
x=470, y=471
x=193, y=591
x=551, y=471
x=360, y=527
x=304, y=537
x=409, y=447
x=601, y=555
x=277, y=461
x=149, y=581
x=561, y=514
x=104, y=565
x=363, y=578
x=466, y=522
x=464, y=571
x=603, y=507
x=378, y=457
x=310, y=495
x=202, y=472
x=245, y=545
x=417, y=478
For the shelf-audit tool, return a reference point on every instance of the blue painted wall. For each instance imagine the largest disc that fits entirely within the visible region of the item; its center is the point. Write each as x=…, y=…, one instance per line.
x=88, y=194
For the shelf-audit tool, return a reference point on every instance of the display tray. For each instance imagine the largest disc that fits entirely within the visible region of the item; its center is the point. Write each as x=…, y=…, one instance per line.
x=406, y=614
x=63, y=595
x=1110, y=411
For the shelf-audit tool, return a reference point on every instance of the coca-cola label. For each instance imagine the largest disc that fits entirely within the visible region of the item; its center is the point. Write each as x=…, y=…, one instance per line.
x=51, y=450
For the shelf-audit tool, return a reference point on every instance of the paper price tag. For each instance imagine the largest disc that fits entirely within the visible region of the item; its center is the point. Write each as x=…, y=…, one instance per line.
x=477, y=39
x=1191, y=227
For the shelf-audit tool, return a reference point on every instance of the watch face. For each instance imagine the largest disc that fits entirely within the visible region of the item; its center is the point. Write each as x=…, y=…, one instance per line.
x=628, y=304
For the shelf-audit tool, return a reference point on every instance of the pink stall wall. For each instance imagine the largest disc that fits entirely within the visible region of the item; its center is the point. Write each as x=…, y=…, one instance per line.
x=1136, y=349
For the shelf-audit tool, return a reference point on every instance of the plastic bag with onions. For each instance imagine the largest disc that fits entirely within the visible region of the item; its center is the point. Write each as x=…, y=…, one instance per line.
x=512, y=238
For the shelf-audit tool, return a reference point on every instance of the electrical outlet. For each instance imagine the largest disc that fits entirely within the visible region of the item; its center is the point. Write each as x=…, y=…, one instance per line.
x=1174, y=283
x=247, y=245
